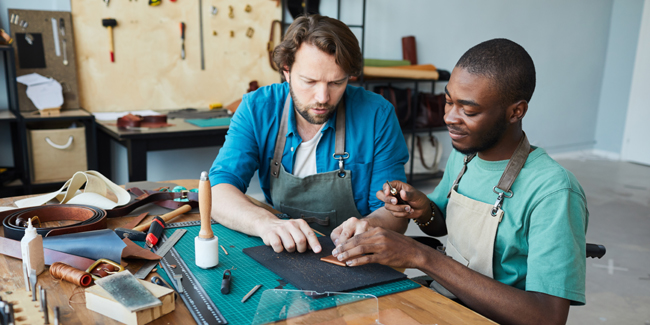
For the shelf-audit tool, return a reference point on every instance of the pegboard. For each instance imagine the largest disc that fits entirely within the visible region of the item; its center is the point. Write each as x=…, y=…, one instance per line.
x=148, y=72
x=44, y=61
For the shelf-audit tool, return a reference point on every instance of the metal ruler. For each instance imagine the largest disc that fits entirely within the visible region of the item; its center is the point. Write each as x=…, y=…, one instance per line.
x=187, y=224
x=161, y=251
x=202, y=308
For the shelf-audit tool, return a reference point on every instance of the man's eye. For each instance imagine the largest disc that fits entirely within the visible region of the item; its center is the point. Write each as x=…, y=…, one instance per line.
x=448, y=103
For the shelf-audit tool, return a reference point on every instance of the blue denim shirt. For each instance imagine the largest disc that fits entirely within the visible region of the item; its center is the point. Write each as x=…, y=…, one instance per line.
x=374, y=140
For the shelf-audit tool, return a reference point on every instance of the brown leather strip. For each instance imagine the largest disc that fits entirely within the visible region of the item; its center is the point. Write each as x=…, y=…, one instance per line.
x=515, y=165
x=135, y=221
x=11, y=248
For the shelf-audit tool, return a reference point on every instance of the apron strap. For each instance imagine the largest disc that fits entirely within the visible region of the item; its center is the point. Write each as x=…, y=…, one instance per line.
x=511, y=172
x=515, y=165
x=339, y=148
x=280, y=140
x=466, y=161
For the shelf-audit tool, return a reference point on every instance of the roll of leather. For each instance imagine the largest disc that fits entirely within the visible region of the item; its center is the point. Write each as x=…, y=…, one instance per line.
x=409, y=51
x=151, y=121
x=87, y=217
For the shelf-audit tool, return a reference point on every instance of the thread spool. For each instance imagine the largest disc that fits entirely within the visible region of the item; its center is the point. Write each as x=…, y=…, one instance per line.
x=70, y=274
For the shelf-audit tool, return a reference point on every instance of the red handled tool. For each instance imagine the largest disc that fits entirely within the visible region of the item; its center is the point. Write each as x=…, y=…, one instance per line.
x=155, y=231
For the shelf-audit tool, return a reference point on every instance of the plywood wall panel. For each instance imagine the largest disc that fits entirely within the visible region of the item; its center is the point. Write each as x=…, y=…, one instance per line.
x=148, y=72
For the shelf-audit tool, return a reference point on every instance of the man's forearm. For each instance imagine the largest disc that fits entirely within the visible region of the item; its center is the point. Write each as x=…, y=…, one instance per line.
x=498, y=301
x=231, y=208
x=383, y=218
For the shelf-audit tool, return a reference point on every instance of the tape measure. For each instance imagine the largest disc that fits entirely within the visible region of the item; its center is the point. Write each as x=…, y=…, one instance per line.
x=154, y=2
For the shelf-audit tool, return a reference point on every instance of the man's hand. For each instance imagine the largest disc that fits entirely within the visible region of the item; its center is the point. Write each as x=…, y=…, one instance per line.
x=417, y=203
x=382, y=246
x=291, y=234
x=348, y=229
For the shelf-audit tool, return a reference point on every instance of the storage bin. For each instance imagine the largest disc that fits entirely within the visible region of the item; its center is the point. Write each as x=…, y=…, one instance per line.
x=56, y=154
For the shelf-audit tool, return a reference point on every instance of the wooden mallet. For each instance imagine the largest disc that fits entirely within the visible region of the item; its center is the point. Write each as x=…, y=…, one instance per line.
x=110, y=23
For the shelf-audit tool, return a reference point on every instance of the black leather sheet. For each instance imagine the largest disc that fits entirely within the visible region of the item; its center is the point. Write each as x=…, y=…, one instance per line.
x=307, y=272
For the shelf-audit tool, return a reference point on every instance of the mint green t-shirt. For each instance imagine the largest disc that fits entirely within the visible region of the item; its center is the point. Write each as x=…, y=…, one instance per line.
x=540, y=243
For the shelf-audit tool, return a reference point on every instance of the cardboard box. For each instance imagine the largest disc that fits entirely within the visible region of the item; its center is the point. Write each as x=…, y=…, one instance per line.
x=56, y=154
x=98, y=300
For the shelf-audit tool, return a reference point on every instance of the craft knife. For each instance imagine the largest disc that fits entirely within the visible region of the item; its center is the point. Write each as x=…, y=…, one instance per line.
x=162, y=251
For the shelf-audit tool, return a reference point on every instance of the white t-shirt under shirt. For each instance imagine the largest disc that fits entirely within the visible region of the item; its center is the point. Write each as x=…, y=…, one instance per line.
x=305, y=161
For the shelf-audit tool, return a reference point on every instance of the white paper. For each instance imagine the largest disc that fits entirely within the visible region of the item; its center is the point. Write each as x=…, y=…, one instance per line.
x=32, y=79
x=113, y=116
x=44, y=92
x=46, y=95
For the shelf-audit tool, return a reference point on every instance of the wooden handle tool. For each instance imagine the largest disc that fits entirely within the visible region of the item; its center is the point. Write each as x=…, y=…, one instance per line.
x=205, y=206
x=166, y=217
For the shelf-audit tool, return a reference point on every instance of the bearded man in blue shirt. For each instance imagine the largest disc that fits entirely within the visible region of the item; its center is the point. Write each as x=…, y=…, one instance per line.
x=321, y=147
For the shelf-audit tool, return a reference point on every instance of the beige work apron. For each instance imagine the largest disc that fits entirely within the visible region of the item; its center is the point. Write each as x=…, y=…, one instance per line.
x=472, y=225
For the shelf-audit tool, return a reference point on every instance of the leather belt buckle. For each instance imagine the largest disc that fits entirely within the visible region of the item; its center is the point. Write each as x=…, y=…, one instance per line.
x=104, y=267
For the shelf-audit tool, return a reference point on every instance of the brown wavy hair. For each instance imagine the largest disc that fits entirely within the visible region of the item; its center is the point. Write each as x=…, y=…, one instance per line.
x=327, y=34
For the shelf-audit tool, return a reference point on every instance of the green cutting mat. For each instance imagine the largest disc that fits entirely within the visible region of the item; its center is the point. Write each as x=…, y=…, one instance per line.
x=246, y=273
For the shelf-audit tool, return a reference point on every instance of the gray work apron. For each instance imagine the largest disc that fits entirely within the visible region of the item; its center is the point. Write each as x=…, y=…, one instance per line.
x=324, y=200
x=472, y=225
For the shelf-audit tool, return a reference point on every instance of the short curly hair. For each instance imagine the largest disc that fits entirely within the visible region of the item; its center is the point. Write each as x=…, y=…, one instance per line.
x=327, y=34
x=507, y=64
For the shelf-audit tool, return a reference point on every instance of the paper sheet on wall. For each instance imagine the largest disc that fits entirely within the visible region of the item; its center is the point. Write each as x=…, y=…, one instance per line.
x=43, y=92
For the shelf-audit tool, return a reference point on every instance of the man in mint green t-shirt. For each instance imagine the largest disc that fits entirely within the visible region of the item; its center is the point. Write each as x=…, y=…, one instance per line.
x=516, y=220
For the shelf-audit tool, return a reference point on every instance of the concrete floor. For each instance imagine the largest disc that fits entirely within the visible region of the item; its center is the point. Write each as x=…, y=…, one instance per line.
x=618, y=198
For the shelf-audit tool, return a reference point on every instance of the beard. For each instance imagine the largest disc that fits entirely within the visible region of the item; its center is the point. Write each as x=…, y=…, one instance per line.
x=303, y=110
x=488, y=139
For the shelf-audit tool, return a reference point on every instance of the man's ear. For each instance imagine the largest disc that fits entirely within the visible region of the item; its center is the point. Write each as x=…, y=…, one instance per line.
x=518, y=111
x=287, y=73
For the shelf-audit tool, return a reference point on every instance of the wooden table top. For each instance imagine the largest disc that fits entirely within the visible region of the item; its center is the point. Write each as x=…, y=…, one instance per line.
x=421, y=304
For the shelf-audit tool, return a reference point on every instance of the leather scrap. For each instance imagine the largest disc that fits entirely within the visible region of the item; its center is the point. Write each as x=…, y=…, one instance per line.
x=333, y=260
x=135, y=221
x=132, y=250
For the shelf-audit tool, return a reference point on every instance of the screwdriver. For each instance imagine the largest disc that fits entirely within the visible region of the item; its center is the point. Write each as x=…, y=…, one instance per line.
x=182, y=40
x=155, y=231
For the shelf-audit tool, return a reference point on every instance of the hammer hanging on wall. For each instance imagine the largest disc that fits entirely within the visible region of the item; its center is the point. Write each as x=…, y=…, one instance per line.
x=110, y=23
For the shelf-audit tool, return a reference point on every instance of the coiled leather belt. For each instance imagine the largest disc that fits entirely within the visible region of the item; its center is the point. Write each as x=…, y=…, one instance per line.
x=88, y=217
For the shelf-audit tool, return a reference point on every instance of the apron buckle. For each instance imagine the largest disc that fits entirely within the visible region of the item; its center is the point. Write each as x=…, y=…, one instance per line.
x=340, y=157
x=499, y=202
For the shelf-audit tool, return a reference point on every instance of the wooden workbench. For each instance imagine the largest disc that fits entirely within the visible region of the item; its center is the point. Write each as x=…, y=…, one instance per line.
x=422, y=304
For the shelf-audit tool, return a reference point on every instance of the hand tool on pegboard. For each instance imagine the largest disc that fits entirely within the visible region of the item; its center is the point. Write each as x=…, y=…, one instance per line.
x=110, y=23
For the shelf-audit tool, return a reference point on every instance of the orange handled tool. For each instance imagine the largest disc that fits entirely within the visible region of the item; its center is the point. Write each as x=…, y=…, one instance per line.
x=166, y=217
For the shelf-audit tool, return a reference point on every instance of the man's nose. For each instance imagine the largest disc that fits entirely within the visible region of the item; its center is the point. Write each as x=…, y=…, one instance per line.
x=451, y=114
x=322, y=94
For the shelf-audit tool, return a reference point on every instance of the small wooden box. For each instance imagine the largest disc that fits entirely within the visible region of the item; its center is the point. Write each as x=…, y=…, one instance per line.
x=56, y=154
x=98, y=300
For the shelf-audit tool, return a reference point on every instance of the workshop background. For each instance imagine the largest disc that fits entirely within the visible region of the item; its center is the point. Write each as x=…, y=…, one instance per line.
x=588, y=111
x=584, y=52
